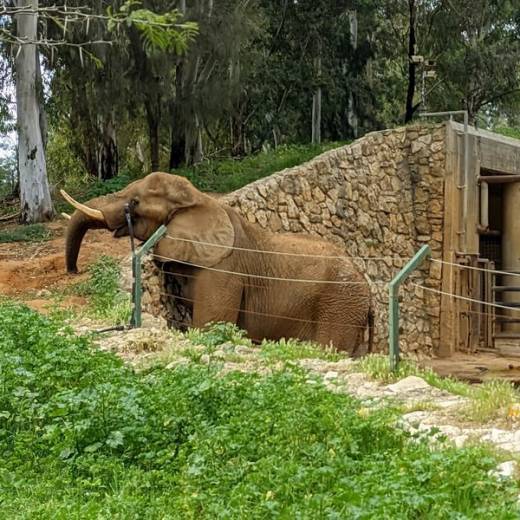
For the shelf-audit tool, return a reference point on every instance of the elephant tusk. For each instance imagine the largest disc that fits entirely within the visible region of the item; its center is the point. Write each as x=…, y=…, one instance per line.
x=66, y=215
x=93, y=213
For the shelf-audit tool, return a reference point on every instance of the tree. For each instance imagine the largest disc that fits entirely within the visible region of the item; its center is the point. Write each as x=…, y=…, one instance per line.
x=157, y=31
x=412, y=42
x=35, y=197
x=477, y=46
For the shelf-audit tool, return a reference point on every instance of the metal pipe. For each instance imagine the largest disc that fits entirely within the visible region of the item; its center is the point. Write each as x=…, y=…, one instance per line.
x=137, y=289
x=465, y=205
x=498, y=179
x=484, y=205
x=393, y=305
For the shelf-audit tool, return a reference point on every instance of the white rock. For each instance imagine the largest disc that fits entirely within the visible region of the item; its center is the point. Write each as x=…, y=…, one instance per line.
x=331, y=375
x=460, y=440
x=450, y=431
x=242, y=349
x=506, y=469
x=409, y=384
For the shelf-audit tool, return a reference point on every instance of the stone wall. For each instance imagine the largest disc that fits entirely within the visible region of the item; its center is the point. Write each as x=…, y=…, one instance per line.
x=380, y=199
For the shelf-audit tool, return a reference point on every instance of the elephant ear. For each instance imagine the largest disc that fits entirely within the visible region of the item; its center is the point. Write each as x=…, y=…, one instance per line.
x=201, y=235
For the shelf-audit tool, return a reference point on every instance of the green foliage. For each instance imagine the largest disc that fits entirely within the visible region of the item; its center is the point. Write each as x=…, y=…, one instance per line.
x=217, y=334
x=491, y=400
x=377, y=366
x=106, y=300
x=29, y=233
x=63, y=166
x=508, y=131
x=290, y=350
x=99, y=188
x=82, y=436
x=158, y=31
x=226, y=175
x=8, y=170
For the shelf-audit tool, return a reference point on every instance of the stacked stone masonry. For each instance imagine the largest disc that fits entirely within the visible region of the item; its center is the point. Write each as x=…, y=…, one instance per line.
x=380, y=198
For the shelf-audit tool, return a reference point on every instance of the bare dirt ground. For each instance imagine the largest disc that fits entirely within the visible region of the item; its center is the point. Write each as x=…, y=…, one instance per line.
x=30, y=270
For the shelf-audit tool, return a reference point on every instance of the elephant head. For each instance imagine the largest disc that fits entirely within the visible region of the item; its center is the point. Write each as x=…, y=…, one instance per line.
x=200, y=231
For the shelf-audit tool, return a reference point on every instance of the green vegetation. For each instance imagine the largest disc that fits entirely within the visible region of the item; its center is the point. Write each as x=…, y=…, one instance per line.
x=377, y=366
x=492, y=399
x=217, y=175
x=218, y=333
x=226, y=175
x=82, y=436
x=488, y=401
x=30, y=233
x=106, y=300
x=513, y=132
x=291, y=350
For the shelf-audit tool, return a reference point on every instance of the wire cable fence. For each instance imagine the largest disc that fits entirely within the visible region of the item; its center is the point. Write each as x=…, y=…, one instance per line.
x=505, y=272
x=258, y=276
x=268, y=315
x=465, y=298
x=286, y=253
x=417, y=308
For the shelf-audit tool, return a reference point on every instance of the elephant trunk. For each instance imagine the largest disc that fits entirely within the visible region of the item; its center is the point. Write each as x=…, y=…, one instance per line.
x=79, y=224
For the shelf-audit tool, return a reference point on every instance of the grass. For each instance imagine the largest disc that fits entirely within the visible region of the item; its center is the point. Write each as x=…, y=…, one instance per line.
x=217, y=334
x=83, y=436
x=27, y=233
x=487, y=401
x=508, y=131
x=226, y=175
x=292, y=350
x=106, y=300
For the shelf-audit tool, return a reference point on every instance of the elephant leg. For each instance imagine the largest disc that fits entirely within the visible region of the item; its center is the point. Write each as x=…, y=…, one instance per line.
x=342, y=337
x=217, y=297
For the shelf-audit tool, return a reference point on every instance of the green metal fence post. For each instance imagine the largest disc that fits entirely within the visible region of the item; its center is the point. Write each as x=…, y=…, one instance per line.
x=393, y=304
x=137, y=289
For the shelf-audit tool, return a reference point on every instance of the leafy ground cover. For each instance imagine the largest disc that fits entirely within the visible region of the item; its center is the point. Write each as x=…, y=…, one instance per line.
x=102, y=289
x=84, y=436
x=28, y=233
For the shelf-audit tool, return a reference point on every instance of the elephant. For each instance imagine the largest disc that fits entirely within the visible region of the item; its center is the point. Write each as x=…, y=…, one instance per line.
x=271, y=285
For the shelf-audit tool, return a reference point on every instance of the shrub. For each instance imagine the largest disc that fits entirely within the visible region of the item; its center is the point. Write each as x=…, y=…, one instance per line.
x=106, y=300
x=83, y=436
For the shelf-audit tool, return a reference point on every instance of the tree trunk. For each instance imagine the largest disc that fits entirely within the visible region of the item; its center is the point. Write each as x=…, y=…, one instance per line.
x=316, y=109
x=153, y=118
x=351, y=111
x=35, y=198
x=178, y=134
x=411, y=65
x=107, y=154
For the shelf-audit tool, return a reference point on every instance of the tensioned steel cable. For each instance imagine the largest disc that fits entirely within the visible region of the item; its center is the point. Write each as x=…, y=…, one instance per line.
x=465, y=298
x=258, y=276
x=472, y=268
x=285, y=253
x=264, y=314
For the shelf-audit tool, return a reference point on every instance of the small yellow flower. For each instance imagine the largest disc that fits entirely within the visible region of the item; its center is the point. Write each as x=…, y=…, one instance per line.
x=513, y=411
x=363, y=412
x=269, y=495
